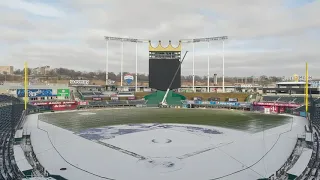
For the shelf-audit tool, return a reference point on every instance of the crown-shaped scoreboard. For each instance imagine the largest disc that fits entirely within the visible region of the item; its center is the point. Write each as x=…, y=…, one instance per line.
x=163, y=64
x=161, y=52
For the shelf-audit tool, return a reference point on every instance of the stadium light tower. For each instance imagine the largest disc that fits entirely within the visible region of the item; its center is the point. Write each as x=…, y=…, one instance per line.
x=208, y=40
x=122, y=40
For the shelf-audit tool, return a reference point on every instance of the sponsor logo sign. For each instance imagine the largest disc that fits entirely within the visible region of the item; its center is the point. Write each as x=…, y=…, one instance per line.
x=131, y=98
x=296, y=78
x=197, y=98
x=218, y=103
x=315, y=84
x=141, y=105
x=79, y=82
x=243, y=85
x=276, y=104
x=53, y=103
x=35, y=92
x=63, y=107
x=233, y=100
x=83, y=103
x=190, y=102
x=146, y=89
x=128, y=78
x=110, y=82
x=245, y=104
x=114, y=98
x=63, y=92
x=228, y=103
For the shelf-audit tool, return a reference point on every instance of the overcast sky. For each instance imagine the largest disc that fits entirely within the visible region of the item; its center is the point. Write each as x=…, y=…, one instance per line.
x=266, y=37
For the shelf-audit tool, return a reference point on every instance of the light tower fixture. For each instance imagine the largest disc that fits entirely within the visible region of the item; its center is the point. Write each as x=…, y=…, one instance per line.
x=208, y=40
x=122, y=40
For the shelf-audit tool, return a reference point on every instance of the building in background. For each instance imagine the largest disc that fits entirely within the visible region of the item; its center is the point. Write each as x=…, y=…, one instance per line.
x=40, y=70
x=6, y=69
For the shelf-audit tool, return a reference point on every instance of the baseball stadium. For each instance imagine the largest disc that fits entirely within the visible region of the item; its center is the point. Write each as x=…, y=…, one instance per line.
x=121, y=131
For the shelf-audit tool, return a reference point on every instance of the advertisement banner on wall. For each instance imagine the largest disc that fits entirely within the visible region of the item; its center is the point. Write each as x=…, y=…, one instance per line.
x=315, y=84
x=63, y=92
x=79, y=82
x=267, y=110
x=276, y=104
x=114, y=98
x=131, y=98
x=83, y=103
x=146, y=89
x=63, y=107
x=53, y=103
x=97, y=98
x=228, y=103
x=233, y=100
x=244, y=104
x=35, y=92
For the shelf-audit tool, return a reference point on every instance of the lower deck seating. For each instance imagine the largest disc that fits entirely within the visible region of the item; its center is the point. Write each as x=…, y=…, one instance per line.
x=312, y=171
x=289, y=99
x=10, y=117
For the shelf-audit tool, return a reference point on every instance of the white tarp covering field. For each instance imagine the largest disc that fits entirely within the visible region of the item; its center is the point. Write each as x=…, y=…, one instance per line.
x=163, y=151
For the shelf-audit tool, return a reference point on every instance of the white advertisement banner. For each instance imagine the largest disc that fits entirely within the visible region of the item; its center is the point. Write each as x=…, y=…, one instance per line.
x=79, y=82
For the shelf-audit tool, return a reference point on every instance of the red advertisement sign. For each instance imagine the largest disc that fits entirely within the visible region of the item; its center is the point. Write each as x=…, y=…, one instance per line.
x=276, y=104
x=53, y=103
x=63, y=107
x=97, y=99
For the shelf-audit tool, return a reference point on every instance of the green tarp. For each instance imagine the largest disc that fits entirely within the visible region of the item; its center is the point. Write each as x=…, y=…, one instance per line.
x=172, y=98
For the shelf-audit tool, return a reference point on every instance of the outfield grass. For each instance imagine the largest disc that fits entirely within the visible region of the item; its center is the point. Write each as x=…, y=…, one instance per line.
x=246, y=121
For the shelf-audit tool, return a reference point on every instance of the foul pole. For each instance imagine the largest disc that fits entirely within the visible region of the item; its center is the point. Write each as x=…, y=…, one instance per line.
x=223, y=87
x=107, y=65
x=307, y=89
x=25, y=85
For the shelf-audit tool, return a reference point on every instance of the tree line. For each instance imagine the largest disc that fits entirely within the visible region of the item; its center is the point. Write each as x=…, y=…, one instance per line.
x=64, y=73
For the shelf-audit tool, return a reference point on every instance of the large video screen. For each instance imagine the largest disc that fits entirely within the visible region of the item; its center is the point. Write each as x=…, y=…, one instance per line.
x=161, y=73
